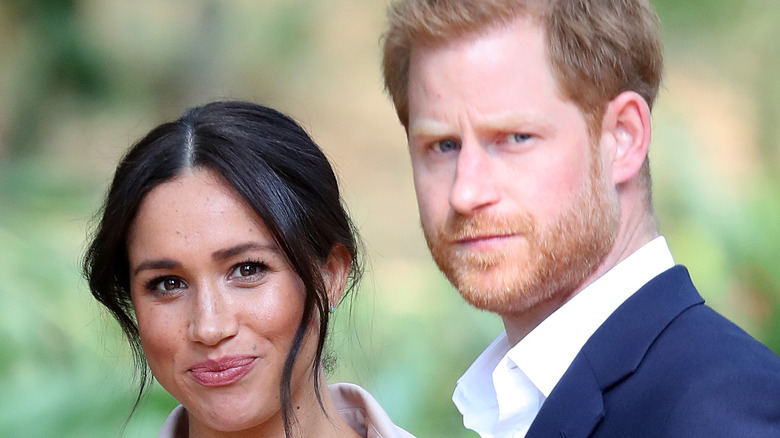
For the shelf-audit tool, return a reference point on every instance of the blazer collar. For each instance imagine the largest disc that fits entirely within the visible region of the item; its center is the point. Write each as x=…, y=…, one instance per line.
x=575, y=406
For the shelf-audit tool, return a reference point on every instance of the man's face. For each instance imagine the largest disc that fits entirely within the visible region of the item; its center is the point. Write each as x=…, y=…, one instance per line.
x=512, y=198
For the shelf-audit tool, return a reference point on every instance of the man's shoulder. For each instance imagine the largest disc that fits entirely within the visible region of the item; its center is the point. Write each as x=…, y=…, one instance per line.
x=706, y=338
x=681, y=331
x=700, y=375
x=670, y=331
x=666, y=365
x=701, y=351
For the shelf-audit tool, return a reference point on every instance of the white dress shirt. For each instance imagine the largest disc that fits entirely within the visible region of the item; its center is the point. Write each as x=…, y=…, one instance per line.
x=503, y=390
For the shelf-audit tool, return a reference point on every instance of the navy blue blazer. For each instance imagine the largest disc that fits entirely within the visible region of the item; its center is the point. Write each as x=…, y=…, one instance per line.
x=665, y=365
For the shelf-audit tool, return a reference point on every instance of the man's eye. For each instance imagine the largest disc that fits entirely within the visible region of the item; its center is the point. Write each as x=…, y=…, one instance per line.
x=445, y=146
x=517, y=137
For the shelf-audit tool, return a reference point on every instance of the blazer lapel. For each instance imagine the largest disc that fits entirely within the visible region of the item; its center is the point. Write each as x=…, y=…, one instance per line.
x=612, y=354
x=572, y=412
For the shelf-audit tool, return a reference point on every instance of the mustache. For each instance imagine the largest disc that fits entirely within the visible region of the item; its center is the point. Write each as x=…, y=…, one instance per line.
x=458, y=227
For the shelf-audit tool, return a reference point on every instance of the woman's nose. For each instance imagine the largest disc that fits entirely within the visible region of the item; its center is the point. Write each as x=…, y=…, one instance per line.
x=213, y=318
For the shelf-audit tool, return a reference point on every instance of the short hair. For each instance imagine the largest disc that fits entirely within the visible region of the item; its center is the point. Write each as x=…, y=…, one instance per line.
x=272, y=163
x=596, y=49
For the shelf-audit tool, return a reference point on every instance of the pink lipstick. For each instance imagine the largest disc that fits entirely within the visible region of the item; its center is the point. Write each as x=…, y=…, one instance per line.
x=222, y=372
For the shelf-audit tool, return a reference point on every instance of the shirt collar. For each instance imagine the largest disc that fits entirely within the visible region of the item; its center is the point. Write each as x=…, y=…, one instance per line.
x=474, y=392
x=545, y=354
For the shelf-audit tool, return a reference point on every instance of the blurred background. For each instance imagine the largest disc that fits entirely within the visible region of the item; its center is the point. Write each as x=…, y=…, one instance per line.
x=81, y=80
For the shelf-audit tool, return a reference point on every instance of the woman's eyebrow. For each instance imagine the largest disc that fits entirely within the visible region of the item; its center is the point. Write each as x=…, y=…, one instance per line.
x=221, y=254
x=156, y=264
x=227, y=253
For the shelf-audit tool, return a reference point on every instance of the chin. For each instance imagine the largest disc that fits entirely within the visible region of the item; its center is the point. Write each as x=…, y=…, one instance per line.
x=502, y=301
x=509, y=290
x=232, y=424
x=224, y=417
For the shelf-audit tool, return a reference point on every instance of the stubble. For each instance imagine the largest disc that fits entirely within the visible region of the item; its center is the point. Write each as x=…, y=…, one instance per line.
x=544, y=261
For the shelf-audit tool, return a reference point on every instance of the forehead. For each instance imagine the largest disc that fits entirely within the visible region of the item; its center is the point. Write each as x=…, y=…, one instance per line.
x=486, y=72
x=198, y=203
x=519, y=32
x=201, y=187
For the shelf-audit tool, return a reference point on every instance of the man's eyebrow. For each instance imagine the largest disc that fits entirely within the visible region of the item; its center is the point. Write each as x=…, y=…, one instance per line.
x=513, y=120
x=156, y=264
x=227, y=253
x=429, y=128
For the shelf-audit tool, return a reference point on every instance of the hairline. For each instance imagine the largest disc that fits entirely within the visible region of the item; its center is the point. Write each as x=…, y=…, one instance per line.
x=534, y=12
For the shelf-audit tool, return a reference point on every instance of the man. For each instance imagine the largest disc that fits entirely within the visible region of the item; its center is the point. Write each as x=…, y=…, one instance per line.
x=528, y=125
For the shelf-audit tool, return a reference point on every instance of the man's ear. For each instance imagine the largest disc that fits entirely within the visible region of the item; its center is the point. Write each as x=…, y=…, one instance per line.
x=626, y=125
x=335, y=272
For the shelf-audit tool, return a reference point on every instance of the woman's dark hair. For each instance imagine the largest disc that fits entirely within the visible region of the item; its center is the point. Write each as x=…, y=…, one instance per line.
x=275, y=167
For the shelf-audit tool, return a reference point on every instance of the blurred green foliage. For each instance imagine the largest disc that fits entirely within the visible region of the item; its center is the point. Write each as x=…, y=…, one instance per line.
x=80, y=80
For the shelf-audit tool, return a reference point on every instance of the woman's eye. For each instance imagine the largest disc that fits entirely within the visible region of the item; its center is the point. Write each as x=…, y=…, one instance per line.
x=517, y=137
x=247, y=269
x=166, y=284
x=446, y=146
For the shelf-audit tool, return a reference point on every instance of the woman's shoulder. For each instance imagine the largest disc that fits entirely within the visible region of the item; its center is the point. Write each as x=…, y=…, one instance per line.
x=354, y=404
x=363, y=413
x=176, y=425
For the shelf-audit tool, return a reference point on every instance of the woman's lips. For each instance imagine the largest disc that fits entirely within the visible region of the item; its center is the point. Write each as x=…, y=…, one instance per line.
x=222, y=372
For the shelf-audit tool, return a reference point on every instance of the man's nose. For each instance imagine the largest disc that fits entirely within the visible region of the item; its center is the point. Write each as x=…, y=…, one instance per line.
x=212, y=319
x=475, y=186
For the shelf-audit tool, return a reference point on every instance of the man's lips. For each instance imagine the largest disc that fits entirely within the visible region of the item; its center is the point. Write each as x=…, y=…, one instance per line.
x=484, y=241
x=223, y=371
x=468, y=239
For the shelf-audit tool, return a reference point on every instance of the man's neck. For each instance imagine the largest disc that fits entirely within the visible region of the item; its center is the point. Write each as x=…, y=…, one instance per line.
x=630, y=238
x=518, y=325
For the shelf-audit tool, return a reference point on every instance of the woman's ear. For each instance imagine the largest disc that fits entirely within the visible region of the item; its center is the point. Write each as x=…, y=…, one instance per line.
x=336, y=271
x=626, y=127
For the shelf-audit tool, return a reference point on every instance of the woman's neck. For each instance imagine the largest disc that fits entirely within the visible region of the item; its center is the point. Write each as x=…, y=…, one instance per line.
x=310, y=419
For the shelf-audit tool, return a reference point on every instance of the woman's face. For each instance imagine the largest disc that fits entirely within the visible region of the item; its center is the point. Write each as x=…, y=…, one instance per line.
x=216, y=302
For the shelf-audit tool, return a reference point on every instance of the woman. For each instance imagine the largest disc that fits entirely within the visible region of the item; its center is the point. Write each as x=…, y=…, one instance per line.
x=222, y=248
